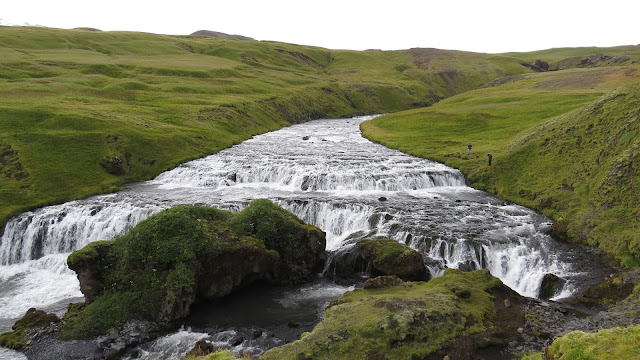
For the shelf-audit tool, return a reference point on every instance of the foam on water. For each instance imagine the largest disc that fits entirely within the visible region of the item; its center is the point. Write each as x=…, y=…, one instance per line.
x=172, y=346
x=36, y=283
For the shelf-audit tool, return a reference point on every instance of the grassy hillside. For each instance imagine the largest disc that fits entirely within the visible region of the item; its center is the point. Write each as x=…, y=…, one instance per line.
x=82, y=112
x=566, y=143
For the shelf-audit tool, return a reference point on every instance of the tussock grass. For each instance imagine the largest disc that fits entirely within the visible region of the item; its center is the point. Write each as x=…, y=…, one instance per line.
x=609, y=344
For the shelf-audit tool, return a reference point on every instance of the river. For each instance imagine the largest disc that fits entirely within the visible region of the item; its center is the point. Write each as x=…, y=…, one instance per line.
x=326, y=173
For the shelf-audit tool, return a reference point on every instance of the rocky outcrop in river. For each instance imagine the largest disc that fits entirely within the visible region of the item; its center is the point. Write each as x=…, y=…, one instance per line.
x=187, y=254
x=377, y=257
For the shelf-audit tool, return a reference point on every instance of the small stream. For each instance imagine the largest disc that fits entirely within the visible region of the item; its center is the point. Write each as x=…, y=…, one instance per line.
x=326, y=173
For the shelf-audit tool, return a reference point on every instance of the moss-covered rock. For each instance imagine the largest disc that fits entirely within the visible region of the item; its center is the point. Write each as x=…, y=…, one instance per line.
x=389, y=257
x=609, y=344
x=610, y=291
x=167, y=262
x=421, y=320
x=551, y=286
x=382, y=282
x=21, y=334
x=377, y=257
x=217, y=355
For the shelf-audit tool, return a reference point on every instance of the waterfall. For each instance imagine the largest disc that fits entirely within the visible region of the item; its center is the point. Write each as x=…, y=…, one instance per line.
x=67, y=227
x=325, y=173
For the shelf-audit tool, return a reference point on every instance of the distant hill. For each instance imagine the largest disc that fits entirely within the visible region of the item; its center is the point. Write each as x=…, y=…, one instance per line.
x=221, y=35
x=7, y=22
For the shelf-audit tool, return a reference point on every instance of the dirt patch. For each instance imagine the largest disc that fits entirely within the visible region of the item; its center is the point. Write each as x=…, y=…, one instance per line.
x=569, y=82
x=302, y=58
x=10, y=165
x=422, y=57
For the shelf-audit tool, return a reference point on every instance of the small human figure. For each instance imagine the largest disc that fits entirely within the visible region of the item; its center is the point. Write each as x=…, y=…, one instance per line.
x=468, y=149
x=490, y=158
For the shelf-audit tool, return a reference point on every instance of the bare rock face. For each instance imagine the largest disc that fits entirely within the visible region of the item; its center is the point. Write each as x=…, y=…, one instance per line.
x=201, y=348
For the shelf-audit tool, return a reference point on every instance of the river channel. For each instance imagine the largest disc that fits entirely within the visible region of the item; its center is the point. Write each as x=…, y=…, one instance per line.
x=326, y=173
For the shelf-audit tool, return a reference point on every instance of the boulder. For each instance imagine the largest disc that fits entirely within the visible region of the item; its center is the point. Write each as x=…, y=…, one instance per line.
x=201, y=348
x=347, y=266
x=186, y=254
x=551, y=286
x=377, y=257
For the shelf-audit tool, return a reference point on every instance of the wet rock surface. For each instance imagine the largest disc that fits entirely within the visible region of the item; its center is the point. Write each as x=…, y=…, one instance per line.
x=548, y=320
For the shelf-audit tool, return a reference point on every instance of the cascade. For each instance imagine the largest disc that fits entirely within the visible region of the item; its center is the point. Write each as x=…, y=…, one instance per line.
x=328, y=175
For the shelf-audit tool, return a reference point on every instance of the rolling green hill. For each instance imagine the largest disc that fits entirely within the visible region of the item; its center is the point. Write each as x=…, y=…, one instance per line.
x=566, y=143
x=82, y=112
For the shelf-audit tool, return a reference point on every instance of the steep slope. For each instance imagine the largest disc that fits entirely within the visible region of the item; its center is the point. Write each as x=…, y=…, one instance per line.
x=564, y=143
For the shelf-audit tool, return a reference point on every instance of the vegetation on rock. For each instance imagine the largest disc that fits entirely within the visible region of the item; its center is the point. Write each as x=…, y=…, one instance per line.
x=167, y=262
x=217, y=355
x=450, y=315
x=389, y=257
x=377, y=257
x=18, y=338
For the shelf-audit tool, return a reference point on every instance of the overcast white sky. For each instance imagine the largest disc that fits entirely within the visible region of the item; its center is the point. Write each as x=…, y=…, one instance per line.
x=482, y=26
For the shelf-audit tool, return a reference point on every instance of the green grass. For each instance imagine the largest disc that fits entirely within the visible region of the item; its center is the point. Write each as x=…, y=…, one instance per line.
x=217, y=355
x=563, y=143
x=609, y=344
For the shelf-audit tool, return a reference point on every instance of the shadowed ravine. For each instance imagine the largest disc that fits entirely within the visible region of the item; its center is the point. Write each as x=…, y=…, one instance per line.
x=328, y=175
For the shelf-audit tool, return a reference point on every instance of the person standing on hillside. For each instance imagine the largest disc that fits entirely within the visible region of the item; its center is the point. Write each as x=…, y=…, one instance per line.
x=468, y=149
x=490, y=158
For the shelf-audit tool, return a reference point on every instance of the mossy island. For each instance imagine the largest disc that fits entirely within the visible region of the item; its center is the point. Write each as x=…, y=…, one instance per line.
x=187, y=254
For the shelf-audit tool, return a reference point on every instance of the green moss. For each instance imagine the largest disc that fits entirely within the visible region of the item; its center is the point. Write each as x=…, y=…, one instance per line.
x=15, y=339
x=391, y=257
x=531, y=356
x=218, y=355
x=608, y=292
x=609, y=344
x=410, y=319
x=19, y=337
x=384, y=250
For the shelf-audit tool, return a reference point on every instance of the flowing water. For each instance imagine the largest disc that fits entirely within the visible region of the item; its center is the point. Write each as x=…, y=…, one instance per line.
x=325, y=172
